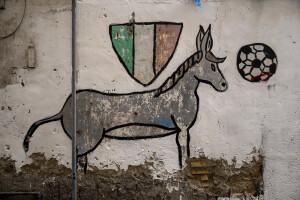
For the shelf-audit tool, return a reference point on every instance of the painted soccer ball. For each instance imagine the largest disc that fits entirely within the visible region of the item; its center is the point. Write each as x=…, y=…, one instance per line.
x=256, y=62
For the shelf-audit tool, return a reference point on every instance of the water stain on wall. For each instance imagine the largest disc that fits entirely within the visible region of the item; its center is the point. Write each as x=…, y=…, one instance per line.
x=53, y=180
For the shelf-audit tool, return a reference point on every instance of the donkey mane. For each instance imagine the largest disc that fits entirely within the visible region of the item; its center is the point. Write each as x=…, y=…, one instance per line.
x=171, y=81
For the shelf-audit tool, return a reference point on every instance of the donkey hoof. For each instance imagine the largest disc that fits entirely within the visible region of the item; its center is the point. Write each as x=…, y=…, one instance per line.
x=26, y=145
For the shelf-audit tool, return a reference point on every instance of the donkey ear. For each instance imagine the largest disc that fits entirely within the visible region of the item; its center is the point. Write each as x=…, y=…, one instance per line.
x=199, y=38
x=206, y=43
x=209, y=42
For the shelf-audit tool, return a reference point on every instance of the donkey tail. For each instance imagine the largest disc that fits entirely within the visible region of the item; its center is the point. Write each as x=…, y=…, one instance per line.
x=35, y=125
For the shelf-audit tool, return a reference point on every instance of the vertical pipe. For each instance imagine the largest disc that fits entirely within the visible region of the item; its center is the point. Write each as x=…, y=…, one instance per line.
x=74, y=139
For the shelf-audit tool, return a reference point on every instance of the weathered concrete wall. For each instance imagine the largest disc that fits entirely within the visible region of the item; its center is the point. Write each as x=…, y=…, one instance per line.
x=244, y=142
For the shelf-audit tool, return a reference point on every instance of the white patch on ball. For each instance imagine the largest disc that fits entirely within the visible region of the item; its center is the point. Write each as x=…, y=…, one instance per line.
x=259, y=47
x=267, y=62
x=249, y=77
x=243, y=56
x=267, y=69
x=247, y=69
x=251, y=56
x=241, y=65
x=248, y=62
x=255, y=72
x=260, y=55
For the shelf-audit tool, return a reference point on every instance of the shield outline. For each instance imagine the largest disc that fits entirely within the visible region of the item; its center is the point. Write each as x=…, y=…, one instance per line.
x=154, y=47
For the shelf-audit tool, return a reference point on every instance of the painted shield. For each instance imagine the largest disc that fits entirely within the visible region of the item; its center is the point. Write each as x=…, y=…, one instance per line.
x=145, y=49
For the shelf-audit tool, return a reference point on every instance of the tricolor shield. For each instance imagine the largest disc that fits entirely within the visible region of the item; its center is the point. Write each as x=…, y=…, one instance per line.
x=145, y=49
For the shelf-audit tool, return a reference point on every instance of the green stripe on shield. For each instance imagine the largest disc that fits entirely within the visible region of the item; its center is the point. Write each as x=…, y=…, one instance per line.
x=122, y=39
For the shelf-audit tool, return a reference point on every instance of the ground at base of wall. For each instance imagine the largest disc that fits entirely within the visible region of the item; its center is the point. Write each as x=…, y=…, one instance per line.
x=202, y=179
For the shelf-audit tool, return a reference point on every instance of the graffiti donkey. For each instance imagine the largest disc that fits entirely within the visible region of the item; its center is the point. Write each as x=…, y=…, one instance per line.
x=170, y=109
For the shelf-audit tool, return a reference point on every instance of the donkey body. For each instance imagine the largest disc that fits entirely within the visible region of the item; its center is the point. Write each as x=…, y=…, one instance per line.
x=170, y=109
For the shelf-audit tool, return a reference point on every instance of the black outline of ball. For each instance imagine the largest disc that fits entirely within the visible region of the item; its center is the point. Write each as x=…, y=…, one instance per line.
x=267, y=51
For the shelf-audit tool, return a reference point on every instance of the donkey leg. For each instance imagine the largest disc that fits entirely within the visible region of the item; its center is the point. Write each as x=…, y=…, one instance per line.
x=188, y=143
x=83, y=162
x=88, y=140
x=86, y=143
x=182, y=139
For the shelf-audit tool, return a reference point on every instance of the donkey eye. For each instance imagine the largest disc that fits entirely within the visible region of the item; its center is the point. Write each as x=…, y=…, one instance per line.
x=213, y=67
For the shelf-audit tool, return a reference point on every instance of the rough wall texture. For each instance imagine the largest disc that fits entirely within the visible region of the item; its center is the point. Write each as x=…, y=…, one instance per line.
x=243, y=143
x=201, y=179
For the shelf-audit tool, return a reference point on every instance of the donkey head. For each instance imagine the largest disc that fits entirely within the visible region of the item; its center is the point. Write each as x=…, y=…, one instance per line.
x=207, y=70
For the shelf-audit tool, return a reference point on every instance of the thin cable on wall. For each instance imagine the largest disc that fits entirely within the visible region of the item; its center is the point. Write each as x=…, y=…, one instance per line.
x=19, y=23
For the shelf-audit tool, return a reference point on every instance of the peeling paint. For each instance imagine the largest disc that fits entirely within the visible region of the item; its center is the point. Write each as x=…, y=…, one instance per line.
x=136, y=182
x=222, y=179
